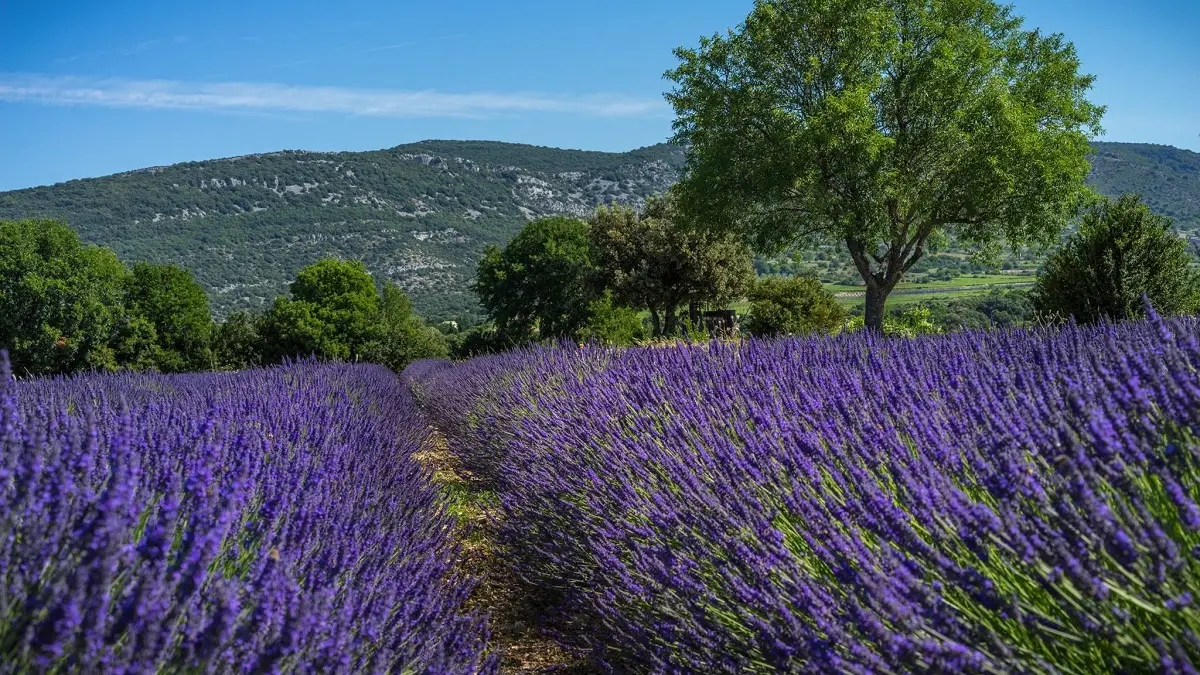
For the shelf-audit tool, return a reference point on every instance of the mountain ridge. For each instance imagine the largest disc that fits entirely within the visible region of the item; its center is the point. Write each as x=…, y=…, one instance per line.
x=417, y=213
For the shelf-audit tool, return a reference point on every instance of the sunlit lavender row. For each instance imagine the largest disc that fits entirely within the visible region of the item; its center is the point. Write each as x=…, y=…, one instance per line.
x=983, y=502
x=264, y=521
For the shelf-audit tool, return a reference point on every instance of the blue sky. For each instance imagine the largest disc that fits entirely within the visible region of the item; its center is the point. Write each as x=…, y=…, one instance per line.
x=91, y=88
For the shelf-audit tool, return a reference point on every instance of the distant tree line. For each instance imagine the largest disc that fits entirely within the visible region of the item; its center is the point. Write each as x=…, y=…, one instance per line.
x=151, y=215
x=67, y=307
x=619, y=277
x=624, y=276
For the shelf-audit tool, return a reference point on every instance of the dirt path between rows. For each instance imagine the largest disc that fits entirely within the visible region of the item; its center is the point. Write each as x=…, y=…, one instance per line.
x=524, y=647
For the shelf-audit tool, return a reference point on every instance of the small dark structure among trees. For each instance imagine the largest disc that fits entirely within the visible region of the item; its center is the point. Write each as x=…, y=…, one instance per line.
x=716, y=322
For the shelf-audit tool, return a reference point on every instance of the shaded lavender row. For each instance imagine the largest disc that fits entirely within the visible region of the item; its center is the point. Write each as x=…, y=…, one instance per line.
x=983, y=502
x=264, y=521
x=462, y=403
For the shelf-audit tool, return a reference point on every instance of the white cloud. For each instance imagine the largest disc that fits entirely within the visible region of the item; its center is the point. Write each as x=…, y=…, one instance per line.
x=268, y=97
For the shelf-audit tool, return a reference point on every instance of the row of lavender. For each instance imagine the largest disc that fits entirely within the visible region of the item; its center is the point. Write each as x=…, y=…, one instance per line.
x=1001, y=502
x=264, y=521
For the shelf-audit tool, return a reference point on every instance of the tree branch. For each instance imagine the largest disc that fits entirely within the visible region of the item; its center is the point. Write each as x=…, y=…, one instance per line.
x=859, y=256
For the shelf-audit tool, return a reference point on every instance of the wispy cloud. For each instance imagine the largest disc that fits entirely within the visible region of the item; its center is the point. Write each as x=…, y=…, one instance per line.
x=398, y=45
x=143, y=46
x=271, y=97
x=84, y=55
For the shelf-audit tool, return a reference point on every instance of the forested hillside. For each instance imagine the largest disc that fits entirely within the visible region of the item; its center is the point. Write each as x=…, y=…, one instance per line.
x=417, y=214
x=1167, y=177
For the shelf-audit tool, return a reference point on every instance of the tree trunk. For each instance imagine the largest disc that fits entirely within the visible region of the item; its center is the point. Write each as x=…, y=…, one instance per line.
x=901, y=255
x=655, y=322
x=671, y=321
x=876, y=301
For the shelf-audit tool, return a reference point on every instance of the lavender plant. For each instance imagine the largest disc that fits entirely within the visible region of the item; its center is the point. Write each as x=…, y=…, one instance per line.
x=998, y=502
x=266, y=521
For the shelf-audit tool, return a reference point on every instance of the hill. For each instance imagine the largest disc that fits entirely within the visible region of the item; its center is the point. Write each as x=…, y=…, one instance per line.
x=1167, y=177
x=418, y=214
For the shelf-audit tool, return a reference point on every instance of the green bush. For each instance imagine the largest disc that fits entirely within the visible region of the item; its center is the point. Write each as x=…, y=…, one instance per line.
x=910, y=323
x=612, y=324
x=1121, y=252
x=792, y=306
x=400, y=336
x=235, y=342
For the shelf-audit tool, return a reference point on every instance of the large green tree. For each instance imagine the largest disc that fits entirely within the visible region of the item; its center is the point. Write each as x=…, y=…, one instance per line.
x=170, y=299
x=656, y=261
x=331, y=313
x=61, y=301
x=335, y=312
x=400, y=335
x=1121, y=252
x=880, y=124
x=539, y=284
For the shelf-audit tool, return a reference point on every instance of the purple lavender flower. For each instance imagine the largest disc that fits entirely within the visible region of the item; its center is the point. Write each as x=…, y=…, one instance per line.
x=271, y=520
x=981, y=502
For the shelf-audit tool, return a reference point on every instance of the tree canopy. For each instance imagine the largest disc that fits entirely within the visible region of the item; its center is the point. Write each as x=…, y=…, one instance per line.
x=330, y=313
x=540, y=283
x=66, y=307
x=878, y=125
x=656, y=261
x=335, y=312
x=437, y=201
x=61, y=301
x=171, y=301
x=1121, y=252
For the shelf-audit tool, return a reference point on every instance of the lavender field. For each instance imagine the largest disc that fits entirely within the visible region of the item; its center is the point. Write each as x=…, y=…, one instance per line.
x=1005, y=502
x=264, y=521
x=1001, y=502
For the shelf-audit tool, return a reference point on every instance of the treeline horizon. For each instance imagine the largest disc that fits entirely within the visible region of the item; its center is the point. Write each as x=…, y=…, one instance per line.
x=621, y=277
x=68, y=307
